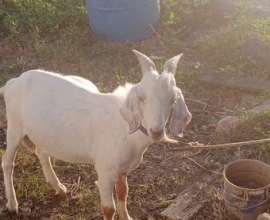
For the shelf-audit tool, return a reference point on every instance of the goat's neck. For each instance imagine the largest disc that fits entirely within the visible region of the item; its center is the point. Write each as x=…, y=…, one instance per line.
x=140, y=140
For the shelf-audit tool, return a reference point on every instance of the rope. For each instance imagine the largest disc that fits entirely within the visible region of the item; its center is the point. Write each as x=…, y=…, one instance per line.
x=196, y=145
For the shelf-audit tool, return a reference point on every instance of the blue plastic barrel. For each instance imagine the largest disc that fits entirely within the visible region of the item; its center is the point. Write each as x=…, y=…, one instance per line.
x=123, y=20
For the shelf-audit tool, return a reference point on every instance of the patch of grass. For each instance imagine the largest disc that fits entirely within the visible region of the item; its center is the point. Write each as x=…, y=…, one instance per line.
x=63, y=217
x=160, y=181
x=179, y=15
x=254, y=127
x=34, y=187
x=162, y=202
x=177, y=179
x=146, y=188
x=38, y=20
x=241, y=47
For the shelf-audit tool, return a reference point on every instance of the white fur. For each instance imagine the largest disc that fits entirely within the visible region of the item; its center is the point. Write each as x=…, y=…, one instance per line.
x=67, y=118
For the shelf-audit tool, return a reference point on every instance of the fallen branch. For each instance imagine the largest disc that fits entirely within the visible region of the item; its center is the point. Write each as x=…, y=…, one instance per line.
x=196, y=145
x=191, y=200
x=179, y=156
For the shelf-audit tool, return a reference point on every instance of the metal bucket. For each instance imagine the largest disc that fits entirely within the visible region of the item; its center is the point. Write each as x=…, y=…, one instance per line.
x=247, y=188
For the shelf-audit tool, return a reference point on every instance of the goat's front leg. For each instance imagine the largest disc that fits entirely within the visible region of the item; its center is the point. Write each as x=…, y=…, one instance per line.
x=121, y=187
x=105, y=185
x=49, y=173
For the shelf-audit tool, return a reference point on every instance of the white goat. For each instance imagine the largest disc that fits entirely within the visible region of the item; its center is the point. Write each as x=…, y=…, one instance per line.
x=67, y=118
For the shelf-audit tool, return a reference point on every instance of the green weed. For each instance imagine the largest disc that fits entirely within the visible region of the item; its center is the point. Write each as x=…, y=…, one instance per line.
x=231, y=47
x=25, y=20
x=177, y=179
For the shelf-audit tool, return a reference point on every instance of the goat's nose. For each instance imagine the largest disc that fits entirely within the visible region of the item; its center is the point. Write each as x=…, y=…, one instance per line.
x=156, y=133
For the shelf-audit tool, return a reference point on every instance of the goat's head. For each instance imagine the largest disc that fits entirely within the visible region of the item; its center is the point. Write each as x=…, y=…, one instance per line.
x=150, y=102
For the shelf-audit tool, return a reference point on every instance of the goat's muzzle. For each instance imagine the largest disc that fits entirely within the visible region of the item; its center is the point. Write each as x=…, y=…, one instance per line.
x=156, y=134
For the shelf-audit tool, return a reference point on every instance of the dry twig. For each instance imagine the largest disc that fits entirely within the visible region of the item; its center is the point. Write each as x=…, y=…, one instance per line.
x=212, y=171
x=159, y=37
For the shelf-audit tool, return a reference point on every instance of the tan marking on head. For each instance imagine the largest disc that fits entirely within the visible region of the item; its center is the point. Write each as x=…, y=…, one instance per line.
x=121, y=187
x=108, y=212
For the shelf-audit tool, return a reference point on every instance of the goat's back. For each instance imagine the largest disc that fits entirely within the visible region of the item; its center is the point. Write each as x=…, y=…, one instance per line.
x=46, y=93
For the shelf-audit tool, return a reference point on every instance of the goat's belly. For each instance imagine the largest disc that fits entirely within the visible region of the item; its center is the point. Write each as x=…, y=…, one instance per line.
x=71, y=157
x=62, y=140
x=65, y=150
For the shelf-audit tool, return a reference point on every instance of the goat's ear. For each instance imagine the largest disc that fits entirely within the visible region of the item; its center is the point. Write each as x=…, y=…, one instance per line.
x=130, y=110
x=171, y=65
x=181, y=115
x=147, y=65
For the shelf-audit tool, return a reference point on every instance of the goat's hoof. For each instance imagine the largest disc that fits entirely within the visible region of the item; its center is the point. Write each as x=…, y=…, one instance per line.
x=62, y=191
x=12, y=207
x=125, y=218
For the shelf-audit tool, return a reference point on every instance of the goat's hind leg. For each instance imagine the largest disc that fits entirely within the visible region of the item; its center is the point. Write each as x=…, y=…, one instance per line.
x=49, y=173
x=14, y=137
x=46, y=167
